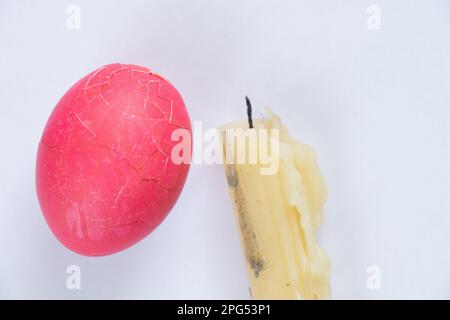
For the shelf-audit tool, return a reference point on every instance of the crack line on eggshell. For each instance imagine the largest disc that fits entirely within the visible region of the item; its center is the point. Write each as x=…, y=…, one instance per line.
x=146, y=97
x=47, y=145
x=104, y=100
x=93, y=86
x=85, y=125
x=160, y=109
x=108, y=223
x=92, y=76
x=142, y=71
x=145, y=104
x=165, y=164
x=171, y=107
x=118, y=195
x=122, y=68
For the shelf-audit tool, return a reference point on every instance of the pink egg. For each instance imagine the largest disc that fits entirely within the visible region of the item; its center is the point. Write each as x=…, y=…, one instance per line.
x=104, y=174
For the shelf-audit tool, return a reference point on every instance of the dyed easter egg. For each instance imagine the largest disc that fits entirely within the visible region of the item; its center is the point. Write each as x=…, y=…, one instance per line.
x=104, y=174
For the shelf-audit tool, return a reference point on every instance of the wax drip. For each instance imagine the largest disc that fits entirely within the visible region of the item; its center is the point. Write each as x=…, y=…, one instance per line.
x=249, y=112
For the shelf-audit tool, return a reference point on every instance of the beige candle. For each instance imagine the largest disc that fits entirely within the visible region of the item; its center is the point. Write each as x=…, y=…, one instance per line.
x=278, y=202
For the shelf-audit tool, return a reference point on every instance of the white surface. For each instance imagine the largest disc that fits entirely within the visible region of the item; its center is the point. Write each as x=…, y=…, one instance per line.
x=374, y=104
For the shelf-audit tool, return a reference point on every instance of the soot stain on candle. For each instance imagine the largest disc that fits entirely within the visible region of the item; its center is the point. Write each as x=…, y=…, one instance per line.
x=232, y=178
x=251, y=247
x=252, y=251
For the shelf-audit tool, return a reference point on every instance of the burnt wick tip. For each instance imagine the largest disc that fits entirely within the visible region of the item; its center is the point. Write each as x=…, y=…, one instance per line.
x=249, y=112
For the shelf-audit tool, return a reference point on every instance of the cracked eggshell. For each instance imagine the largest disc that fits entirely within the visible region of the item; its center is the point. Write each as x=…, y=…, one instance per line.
x=104, y=175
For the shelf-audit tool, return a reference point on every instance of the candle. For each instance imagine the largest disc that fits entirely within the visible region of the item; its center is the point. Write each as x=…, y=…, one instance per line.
x=278, y=195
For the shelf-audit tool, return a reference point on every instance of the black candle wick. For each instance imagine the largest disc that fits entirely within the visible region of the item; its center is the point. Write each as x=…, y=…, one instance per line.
x=249, y=112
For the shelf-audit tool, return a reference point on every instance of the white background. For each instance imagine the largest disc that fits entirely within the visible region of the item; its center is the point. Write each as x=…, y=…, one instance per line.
x=375, y=105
